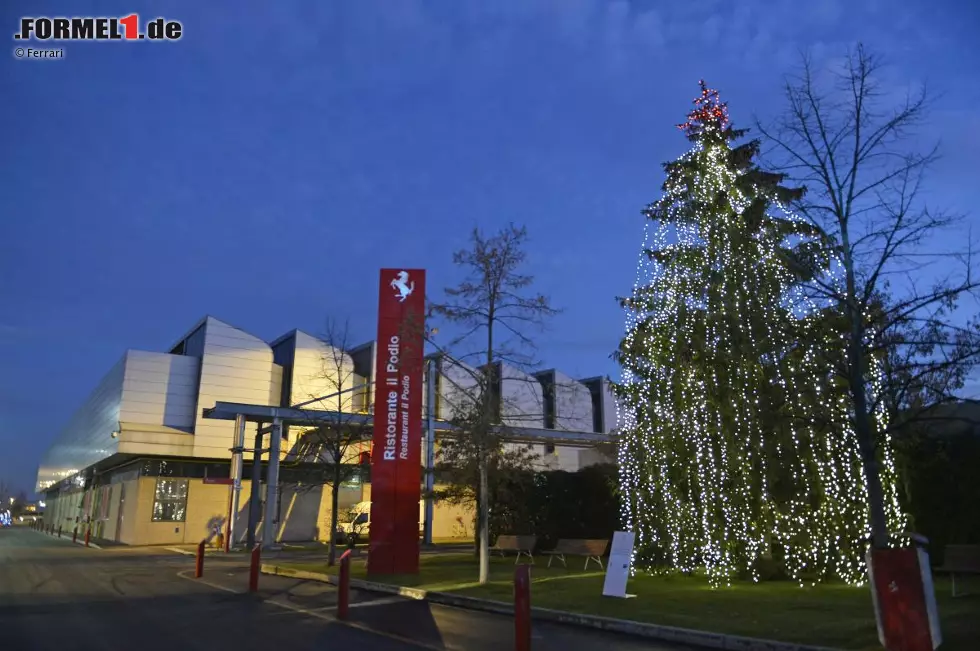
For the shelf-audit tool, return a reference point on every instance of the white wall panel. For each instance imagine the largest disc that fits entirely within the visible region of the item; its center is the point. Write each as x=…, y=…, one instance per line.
x=235, y=367
x=321, y=370
x=87, y=437
x=521, y=398
x=573, y=404
x=458, y=386
x=147, y=388
x=160, y=389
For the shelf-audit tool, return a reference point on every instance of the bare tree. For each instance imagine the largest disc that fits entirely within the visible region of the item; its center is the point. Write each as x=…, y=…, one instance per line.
x=849, y=143
x=494, y=306
x=460, y=459
x=324, y=448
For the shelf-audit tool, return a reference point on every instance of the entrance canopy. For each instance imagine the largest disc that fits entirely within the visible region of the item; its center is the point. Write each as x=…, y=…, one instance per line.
x=310, y=417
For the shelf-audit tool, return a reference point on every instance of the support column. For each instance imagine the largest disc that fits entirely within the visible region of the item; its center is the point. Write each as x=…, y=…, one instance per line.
x=272, y=486
x=236, y=477
x=430, y=449
x=255, y=499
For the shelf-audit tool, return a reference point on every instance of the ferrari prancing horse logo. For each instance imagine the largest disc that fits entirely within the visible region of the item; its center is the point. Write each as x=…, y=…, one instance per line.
x=403, y=286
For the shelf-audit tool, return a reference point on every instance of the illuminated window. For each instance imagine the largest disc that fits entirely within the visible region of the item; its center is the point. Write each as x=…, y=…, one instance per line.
x=170, y=500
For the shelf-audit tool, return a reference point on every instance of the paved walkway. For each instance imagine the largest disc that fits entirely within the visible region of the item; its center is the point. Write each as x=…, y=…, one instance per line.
x=55, y=595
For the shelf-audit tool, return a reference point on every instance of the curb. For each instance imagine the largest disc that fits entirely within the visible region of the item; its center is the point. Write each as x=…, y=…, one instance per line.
x=67, y=539
x=207, y=552
x=703, y=639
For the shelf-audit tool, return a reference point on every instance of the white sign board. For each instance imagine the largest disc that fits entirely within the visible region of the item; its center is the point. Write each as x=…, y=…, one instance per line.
x=618, y=568
x=930, y=594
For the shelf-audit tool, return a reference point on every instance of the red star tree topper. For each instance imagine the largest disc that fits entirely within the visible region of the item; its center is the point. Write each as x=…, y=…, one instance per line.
x=710, y=113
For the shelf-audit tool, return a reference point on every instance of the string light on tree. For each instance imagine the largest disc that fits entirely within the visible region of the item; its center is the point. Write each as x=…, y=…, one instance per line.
x=736, y=440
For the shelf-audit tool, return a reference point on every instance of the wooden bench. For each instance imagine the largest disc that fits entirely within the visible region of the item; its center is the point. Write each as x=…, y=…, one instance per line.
x=960, y=559
x=592, y=549
x=523, y=545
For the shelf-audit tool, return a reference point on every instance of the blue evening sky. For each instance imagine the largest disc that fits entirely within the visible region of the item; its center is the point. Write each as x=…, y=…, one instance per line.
x=265, y=166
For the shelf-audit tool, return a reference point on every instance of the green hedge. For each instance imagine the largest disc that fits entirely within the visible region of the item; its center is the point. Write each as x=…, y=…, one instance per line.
x=557, y=504
x=940, y=475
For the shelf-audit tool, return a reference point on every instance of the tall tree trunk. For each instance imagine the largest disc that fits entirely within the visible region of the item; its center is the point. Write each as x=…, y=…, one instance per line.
x=864, y=428
x=334, y=500
x=485, y=420
x=865, y=431
x=476, y=523
x=484, y=524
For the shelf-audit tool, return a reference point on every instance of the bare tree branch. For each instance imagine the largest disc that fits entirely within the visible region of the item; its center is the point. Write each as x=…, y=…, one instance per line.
x=850, y=147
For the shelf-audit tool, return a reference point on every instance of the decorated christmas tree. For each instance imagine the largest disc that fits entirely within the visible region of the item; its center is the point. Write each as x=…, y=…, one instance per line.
x=736, y=445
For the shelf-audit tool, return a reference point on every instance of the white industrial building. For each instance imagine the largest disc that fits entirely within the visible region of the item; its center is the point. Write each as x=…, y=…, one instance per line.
x=140, y=463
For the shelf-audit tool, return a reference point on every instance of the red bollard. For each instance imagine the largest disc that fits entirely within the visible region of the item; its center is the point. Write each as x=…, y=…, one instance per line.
x=343, y=589
x=74, y=535
x=199, y=565
x=522, y=608
x=88, y=534
x=253, y=570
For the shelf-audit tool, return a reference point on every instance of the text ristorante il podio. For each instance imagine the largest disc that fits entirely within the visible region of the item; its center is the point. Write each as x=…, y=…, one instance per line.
x=396, y=430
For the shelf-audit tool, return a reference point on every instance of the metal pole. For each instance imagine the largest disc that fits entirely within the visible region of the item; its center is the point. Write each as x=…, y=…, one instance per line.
x=199, y=561
x=255, y=499
x=522, y=608
x=253, y=569
x=343, y=590
x=430, y=452
x=236, y=476
x=271, y=518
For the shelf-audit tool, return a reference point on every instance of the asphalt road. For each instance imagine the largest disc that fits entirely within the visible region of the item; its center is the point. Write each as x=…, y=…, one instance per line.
x=56, y=596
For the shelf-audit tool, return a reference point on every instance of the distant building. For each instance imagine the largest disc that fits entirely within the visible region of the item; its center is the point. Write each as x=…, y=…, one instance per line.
x=140, y=462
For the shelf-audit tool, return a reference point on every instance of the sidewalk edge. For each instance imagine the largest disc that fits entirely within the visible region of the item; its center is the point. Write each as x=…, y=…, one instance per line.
x=704, y=639
x=67, y=539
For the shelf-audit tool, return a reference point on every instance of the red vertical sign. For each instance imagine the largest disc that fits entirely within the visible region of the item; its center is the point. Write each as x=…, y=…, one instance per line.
x=396, y=457
x=900, y=600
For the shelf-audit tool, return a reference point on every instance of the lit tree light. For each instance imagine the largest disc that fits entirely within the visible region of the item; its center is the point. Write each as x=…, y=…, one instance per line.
x=736, y=442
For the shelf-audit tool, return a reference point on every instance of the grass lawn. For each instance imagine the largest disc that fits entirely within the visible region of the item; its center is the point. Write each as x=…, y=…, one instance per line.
x=828, y=615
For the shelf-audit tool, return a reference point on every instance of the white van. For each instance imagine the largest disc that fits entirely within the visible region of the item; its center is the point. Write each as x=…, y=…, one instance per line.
x=356, y=521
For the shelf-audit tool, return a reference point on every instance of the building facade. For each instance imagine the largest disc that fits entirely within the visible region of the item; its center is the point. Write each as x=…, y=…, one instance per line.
x=140, y=464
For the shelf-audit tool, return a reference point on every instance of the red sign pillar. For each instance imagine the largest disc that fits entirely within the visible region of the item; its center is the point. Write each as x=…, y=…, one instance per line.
x=904, y=599
x=396, y=458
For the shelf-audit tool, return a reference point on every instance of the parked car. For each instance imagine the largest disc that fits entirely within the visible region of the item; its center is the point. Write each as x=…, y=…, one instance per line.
x=354, y=523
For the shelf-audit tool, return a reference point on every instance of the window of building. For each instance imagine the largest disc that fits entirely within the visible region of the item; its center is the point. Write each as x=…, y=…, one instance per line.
x=105, y=497
x=170, y=500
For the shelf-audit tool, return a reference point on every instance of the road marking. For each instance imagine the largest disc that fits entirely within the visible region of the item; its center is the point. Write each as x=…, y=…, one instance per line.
x=183, y=574
x=327, y=618
x=362, y=627
x=378, y=602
